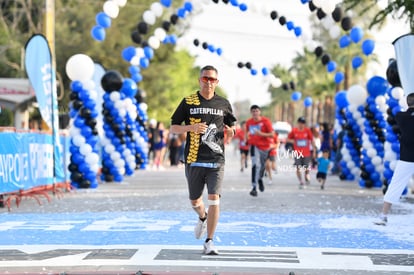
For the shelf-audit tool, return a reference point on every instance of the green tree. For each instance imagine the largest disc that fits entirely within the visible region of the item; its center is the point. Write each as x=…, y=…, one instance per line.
x=6, y=117
x=400, y=9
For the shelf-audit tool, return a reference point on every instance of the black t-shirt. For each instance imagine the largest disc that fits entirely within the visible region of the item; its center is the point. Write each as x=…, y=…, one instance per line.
x=215, y=112
x=405, y=121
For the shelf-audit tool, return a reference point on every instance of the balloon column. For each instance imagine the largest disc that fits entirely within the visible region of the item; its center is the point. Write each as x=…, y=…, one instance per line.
x=84, y=159
x=374, y=135
x=113, y=143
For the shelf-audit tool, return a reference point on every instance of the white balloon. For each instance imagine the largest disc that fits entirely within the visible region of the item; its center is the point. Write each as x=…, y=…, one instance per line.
x=78, y=140
x=115, y=96
x=149, y=17
x=334, y=31
x=143, y=106
x=92, y=159
x=328, y=6
x=80, y=67
x=376, y=160
x=85, y=149
x=397, y=92
x=356, y=95
x=109, y=148
x=160, y=34
x=111, y=9
x=120, y=3
x=156, y=8
x=135, y=60
x=371, y=152
x=393, y=163
x=380, y=100
x=154, y=42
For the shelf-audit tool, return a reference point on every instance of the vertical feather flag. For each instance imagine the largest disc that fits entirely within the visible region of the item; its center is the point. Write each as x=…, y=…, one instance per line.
x=39, y=68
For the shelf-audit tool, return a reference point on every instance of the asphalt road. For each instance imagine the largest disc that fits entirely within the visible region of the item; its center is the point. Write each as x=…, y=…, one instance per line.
x=145, y=225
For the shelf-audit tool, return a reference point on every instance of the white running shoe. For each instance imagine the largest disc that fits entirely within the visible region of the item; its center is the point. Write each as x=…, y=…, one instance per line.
x=381, y=221
x=209, y=248
x=200, y=229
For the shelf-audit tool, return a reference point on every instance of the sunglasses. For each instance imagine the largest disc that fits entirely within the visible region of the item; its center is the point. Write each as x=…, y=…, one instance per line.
x=206, y=79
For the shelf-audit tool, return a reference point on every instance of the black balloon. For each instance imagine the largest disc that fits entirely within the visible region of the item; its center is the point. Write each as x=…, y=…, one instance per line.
x=273, y=15
x=91, y=122
x=318, y=51
x=144, y=44
x=73, y=96
x=112, y=81
x=142, y=27
x=312, y=7
x=346, y=23
x=393, y=76
x=136, y=37
x=325, y=59
x=166, y=25
x=320, y=14
x=240, y=65
x=337, y=14
x=174, y=19
x=204, y=45
x=248, y=65
x=225, y=1
x=285, y=86
x=85, y=112
x=73, y=167
x=76, y=176
x=369, y=184
x=196, y=42
x=77, y=104
x=216, y=1
x=292, y=85
x=282, y=20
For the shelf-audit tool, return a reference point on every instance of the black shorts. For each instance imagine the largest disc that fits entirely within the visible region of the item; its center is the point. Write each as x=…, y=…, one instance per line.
x=303, y=162
x=244, y=152
x=321, y=175
x=197, y=177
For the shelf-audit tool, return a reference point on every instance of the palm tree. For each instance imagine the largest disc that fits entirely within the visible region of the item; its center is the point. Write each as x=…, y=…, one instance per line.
x=399, y=9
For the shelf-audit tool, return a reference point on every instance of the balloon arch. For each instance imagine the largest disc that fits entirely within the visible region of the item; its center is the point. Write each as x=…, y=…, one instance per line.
x=116, y=135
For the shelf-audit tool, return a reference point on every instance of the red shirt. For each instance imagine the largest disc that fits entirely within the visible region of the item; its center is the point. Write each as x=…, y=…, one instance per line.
x=273, y=144
x=303, y=140
x=264, y=125
x=241, y=136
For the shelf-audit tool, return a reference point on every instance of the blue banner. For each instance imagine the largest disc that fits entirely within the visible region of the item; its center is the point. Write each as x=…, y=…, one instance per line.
x=42, y=76
x=25, y=161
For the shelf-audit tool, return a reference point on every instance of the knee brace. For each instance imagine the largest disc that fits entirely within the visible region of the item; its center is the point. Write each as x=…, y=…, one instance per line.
x=213, y=202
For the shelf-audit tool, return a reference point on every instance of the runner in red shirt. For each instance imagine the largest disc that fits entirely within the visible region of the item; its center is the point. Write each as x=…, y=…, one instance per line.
x=302, y=139
x=259, y=130
x=243, y=146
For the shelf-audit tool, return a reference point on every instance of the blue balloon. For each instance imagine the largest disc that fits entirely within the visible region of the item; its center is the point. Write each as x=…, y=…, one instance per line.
x=304, y=1
x=344, y=41
x=188, y=6
x=296, y=96
x=129, y=87
x=211, y=48
x=297, y=31
x=368, y=46
x=234, y=3
x=307, y=101
x=134, y=69
x=243, y=7
x=341, y=100
x=76, y=86
x=376, y=86
x=103, y=20
x=148, y=52
x=98, y=33
x=219, y=51
x=181, y=12
x=356, y=34
x=166, y=3
x=339, y=76
x=128, y=53
x=265, y=71
x=357, y=62
x=290, y=25
x=253, y=72
x=144, y=62
x=137, y=77
x=331, y=66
